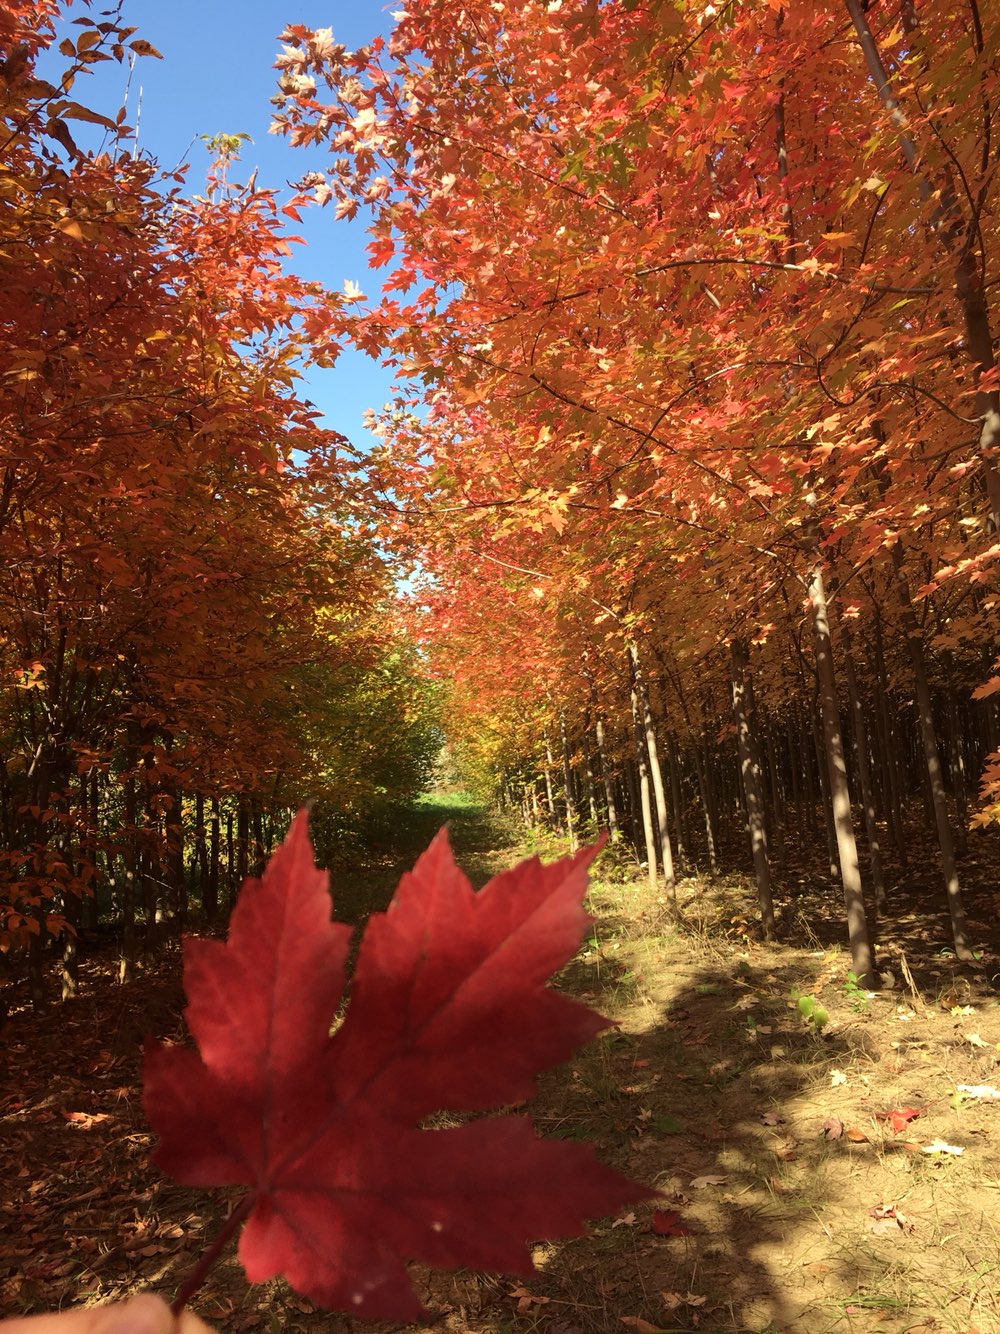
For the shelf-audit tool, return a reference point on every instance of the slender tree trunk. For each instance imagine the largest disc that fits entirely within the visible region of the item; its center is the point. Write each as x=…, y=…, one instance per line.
x=200, y=845
x=242, y=840
x=932, y=760
x=956, y=769
x=656, y=775
x=231, y=884
x=571, y=817
x=210, y=886
x=751, y=787
x=645, y=808
x=91, y=906
x=864, y=772
x=857, y=924
x=129, y=875
x=588, y=772
x=550, y=800
x=826, y=793
x=606, y=779
x=795, y=773
x=676, y=800
x=259, y=856
x=810, y=776
x=704, y=783
x=888, y=732
x=713, y=793
x=777, y=840
x=72, y=904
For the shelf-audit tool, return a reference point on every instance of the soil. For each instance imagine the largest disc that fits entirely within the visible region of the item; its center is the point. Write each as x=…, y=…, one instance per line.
x=838, y=1176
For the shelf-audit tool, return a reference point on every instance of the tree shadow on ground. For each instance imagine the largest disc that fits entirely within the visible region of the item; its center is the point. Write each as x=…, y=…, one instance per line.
x=712, y=1089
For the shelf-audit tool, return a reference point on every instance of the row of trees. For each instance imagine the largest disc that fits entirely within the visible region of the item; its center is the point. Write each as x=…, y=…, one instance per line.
x=196, y=633
x=702, y=449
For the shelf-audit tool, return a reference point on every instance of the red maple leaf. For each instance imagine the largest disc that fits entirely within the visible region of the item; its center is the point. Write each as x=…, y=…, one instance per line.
x=900, y=1118
x=669, y=1223
x=449, y=1010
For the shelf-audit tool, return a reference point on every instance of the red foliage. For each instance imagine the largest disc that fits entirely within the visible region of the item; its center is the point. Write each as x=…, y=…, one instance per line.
x=449, y=1010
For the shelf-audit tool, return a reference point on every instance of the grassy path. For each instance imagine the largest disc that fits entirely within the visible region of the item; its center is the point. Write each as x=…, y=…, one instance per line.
x=483, y=844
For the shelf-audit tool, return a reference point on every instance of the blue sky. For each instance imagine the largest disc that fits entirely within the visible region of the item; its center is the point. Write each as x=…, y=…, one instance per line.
x=216, y=76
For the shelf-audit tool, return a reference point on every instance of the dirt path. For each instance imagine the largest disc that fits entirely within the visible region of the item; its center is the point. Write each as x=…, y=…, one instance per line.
x=793, y=1199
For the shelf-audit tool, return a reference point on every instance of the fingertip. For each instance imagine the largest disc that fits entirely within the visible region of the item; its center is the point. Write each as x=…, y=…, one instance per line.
x=189, y=1323
x=144, y=1314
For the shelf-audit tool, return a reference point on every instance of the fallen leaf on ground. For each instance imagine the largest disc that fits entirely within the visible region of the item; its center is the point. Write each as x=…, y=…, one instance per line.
x=900, y=1118
x=771, y=1118
x=887, y=1219
x=985, y=1091
x=837, y=1077
x=856, y=1136
x=976, y=1040
x=942, y=1146
x=700, y=1182
x=643, y=1326
x=673, y=1300
x=669, y=1223
x=526, y=1300
x=833, y=1127
x=84, y=1120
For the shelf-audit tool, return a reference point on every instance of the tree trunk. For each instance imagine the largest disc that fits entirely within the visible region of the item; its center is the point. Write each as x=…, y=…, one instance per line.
x=91, y=906
x=645, y=808
x=129, y=874
x=607, y=780
x=826, y=793
x=571, y=818
x=656, y=775
x=915, y=643
x=704, y=777
x=777, y=841
x=231, y=885
x=676, y=800
x=751, y=787
x=550, y=800
x=210, y=886
x=588, y=771
x=850, y=873
x=864, y=772
x=892, y=787
x=956, y=769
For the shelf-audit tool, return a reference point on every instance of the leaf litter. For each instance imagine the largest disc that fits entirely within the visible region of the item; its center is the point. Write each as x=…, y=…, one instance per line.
x=772, y=1247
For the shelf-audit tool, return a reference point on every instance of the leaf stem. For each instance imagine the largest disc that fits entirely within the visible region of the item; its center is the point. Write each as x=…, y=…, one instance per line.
x=200, y=1272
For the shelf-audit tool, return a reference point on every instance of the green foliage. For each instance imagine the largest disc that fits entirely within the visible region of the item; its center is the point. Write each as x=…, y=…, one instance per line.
x=856, y=995
x=225, y=147
x=813, y=1013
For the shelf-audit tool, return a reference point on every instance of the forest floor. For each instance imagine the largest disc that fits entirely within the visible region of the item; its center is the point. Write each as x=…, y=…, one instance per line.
x=837, y=1180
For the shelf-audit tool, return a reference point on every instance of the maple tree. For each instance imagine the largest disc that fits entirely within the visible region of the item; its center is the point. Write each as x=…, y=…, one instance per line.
x=449, y=1011
x=694, y=300
x=194, y=617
